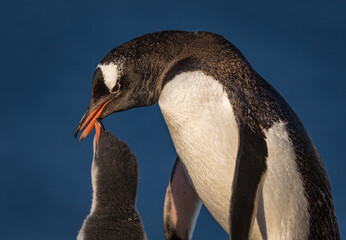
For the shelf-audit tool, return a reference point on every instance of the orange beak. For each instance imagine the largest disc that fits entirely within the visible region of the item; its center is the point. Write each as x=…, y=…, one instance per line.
x=97, y=132
x=90, y=122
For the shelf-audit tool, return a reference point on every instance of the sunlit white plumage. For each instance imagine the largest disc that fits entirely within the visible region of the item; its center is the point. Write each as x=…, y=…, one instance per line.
x=205, y=134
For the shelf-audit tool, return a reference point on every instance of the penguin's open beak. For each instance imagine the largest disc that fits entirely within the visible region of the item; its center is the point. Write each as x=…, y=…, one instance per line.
x=88, y=121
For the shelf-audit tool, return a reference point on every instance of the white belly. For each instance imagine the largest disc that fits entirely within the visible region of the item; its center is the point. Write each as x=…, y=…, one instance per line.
x=205, y=134
x=282, y=200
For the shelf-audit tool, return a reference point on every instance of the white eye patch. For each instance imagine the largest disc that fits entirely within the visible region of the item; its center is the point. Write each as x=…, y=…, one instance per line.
x=111, y=73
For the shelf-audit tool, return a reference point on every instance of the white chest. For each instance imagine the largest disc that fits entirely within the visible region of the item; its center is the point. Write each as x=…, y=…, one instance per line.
x=205, y=134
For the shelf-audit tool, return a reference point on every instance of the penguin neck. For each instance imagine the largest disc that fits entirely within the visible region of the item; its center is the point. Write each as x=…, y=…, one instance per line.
x=117, y=193
x=113, y=199
x=112, y=192
x=154, y=68
x=166, y=57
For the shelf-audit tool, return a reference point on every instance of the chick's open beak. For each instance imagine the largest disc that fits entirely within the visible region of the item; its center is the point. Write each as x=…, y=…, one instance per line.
x=89, y=121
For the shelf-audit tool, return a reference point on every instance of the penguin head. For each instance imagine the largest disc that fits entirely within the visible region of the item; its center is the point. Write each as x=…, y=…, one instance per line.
x=115, y=166
x=124, y=79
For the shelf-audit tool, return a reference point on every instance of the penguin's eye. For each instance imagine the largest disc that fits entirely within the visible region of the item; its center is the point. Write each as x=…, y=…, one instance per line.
x=115, y=89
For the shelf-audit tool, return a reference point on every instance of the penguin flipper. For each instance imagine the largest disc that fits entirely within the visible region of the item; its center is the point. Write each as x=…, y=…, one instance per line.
x=182, y=205
x=248, y=179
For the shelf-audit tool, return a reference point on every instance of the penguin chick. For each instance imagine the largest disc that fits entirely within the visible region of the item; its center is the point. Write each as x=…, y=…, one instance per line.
x=114, y=180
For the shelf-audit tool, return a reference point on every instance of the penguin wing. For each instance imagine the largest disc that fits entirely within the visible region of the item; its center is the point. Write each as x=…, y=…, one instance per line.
x=182, y=205
x=248, y=178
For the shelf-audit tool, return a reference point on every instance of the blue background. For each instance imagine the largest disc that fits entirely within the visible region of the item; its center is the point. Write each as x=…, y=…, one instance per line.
x=49, y=50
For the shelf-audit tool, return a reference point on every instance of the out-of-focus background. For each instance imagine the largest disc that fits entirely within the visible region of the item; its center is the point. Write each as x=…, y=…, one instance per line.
x=50, y=49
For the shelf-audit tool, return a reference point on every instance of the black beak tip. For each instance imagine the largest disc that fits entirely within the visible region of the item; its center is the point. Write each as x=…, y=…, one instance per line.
x=78, y=128
x=76, y=132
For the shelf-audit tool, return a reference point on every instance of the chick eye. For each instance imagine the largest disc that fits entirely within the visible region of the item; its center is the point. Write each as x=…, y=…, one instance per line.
x=115, y=89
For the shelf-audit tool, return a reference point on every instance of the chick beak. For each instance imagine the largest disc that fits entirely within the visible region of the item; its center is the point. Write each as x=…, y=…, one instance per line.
x=98, y=128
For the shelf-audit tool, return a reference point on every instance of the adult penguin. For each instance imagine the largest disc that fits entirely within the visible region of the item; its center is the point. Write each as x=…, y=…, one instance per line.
x=243, y=151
